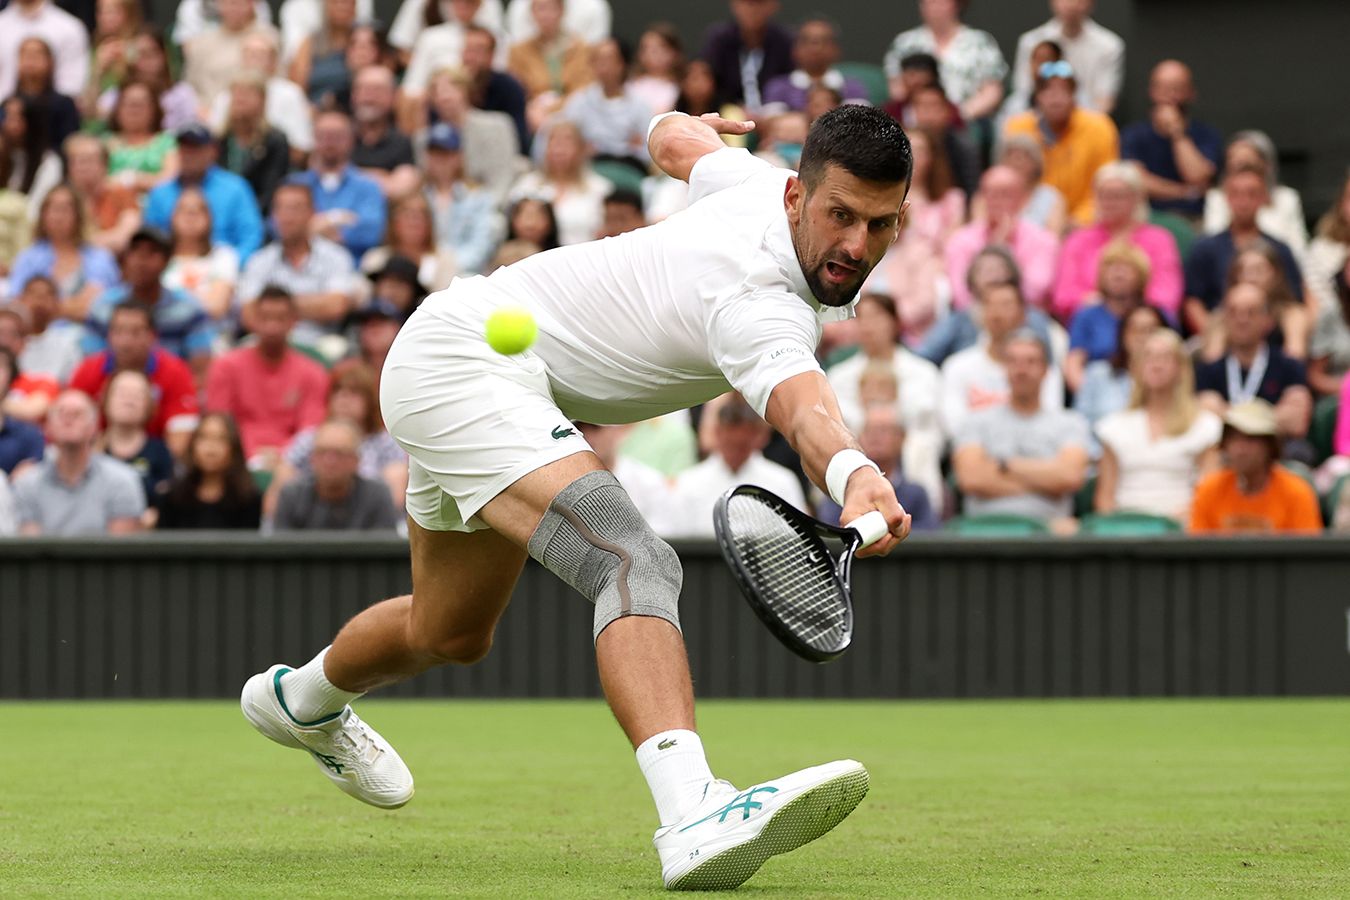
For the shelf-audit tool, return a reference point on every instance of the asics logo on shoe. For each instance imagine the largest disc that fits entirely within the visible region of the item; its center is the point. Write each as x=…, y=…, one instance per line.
x=666, y=744
x=560, y=432
x=329, y=761
x=744, y=802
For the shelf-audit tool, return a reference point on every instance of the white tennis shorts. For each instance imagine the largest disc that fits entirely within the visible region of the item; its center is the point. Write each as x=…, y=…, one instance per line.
x=472, y=421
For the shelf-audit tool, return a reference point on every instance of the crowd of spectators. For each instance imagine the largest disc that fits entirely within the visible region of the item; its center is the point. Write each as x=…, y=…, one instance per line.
x=211, y=233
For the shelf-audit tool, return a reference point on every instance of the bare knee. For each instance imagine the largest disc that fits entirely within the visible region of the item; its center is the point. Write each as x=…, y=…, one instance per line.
x=460, y=647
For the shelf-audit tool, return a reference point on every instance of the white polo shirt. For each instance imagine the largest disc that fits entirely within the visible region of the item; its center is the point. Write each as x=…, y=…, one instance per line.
x=697, y=489
x=671, y=315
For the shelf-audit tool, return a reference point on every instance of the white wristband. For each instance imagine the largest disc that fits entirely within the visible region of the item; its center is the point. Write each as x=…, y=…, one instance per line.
x=842, y=465
x=656, y=120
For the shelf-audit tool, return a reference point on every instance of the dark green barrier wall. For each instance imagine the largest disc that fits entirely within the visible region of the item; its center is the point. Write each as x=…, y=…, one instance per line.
x=944, y=618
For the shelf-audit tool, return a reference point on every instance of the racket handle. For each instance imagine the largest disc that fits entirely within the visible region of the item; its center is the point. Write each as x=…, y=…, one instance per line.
x=871, y=527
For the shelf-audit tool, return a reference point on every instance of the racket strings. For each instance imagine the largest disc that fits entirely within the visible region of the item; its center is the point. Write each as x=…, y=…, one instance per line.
x=796, y=578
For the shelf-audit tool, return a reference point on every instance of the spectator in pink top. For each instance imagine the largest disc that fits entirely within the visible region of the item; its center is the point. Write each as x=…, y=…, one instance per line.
x=1122, y=213
x=273, y=391
x=1004, y=191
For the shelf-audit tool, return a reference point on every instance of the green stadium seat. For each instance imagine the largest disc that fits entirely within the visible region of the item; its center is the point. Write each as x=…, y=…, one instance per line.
x=1127, y=524
x=1322, y=431
x=262, y=478
x=1086, y=498
x=621, y=175
x=872, y=76
x=997, y=526
x=1182, y=231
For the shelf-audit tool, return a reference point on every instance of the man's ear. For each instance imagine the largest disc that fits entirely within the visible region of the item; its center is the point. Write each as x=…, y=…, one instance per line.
x=794, y=199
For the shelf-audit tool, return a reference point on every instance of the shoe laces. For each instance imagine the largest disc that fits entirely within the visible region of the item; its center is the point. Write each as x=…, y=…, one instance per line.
x=354, y=737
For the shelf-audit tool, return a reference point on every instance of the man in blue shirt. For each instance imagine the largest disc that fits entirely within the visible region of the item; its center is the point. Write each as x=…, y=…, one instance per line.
x=1210, y=258
x=1179, y=154
x=235, y=219
x=19, y=440
x=350, y=207
x=185, y=330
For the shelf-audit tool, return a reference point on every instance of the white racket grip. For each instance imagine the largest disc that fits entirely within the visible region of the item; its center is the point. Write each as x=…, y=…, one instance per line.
x=871, y=526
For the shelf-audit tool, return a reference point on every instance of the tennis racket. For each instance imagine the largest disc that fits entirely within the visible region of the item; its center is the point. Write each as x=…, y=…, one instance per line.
x=785, y=565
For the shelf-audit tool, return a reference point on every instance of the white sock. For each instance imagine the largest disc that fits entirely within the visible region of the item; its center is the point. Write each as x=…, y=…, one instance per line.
x=677, y=772
x=309, y=695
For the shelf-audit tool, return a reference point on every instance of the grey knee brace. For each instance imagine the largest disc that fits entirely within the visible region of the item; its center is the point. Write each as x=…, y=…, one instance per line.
x=593, y=538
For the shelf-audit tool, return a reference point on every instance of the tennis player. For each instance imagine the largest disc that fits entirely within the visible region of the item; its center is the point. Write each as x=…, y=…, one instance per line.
x=729, y=294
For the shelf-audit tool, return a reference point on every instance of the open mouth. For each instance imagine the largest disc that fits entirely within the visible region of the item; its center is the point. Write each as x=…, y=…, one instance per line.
x=838, y=272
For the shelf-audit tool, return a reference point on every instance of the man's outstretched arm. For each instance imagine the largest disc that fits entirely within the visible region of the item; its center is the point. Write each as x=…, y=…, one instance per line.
x=677, y=141
x=803, y=408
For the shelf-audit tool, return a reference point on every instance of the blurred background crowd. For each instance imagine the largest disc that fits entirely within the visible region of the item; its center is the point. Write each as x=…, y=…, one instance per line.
x=212, y=229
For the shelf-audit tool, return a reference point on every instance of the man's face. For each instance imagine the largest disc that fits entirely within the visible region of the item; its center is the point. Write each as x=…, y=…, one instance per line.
x=195, y=159
x=273, y=321
x=1171, y=84
x=882, y=438
x=372, y=95
x=143, y=265
x=841, y=229
x=377, y=336
x=1003, y=311
x=334, y=458
x=72, y=420
x=1026, y=365
x=1055, y=101
x=1071, y=11
x=753, y=15
x=40, y=299
x=621, y=218
x=333, y=141
x=1004, y=192
x=737, y=441
x=1247, y=455
x=478, y=50
x=1246, y=193
x=291, y=212
x=815, y=50
x=130, y=340
x=1246, y=314
x=931, y=111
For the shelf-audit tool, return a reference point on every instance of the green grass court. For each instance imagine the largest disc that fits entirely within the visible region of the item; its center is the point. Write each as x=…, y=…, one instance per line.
x=542, y=799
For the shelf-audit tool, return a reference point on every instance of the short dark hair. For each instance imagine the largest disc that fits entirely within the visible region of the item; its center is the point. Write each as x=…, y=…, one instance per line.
x=883, y=302
x=135, y=309
x=295, y=183
x=921, y=62
x=624, y=197
x=864, y=141
x=276, y=292
x=624, y=49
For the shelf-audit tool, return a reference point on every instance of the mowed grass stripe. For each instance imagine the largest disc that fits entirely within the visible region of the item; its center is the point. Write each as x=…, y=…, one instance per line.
x=542, y=799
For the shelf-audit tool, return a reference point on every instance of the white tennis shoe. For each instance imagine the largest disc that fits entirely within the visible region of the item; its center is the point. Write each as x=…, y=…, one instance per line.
x=350, y=752
x=728, y=836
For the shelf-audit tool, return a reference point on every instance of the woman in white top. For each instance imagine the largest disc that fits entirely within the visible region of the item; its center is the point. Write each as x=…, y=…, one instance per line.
x=205, y=270
x=1155, y=450
x=1328, y=252
x=1282, y=216
x=567, y=181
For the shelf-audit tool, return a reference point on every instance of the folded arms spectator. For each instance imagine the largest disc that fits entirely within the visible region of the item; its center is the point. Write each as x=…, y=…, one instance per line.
x=334, y=496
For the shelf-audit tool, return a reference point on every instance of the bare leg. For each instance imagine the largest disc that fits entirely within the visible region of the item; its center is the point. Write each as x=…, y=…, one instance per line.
x=645, y=674
x=642, y=661
x=461, y=585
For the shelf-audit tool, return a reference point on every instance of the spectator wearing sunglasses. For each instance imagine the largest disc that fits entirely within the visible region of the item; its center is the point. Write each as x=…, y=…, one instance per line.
x=1076, y=142
x=1096, y=54
x=1180, y=154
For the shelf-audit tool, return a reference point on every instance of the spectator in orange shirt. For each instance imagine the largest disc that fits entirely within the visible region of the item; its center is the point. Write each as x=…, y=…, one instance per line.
x=1252, y=492
x=1076, y=141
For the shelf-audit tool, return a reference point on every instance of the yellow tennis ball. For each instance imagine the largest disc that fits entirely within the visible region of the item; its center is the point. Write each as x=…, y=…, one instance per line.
x=511, y=330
